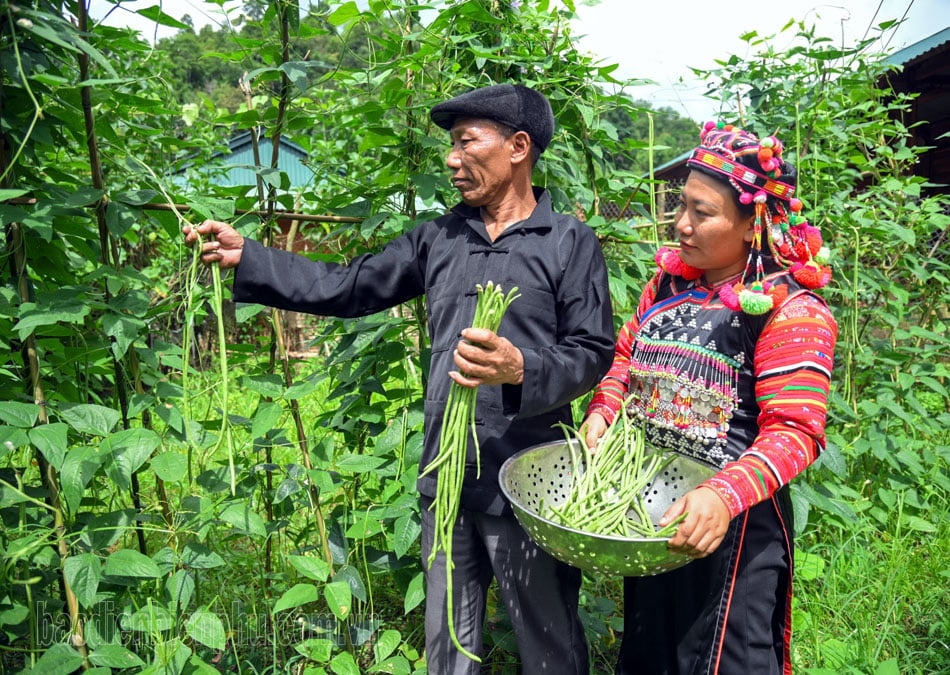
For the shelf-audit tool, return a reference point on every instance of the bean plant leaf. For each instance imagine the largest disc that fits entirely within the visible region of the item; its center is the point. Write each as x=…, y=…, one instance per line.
x=243, y=518
x=406, y=532
x=339, y=598
x=386, y=643
x=79, y=466
x=50, y=439
x=155, y=13
x=360, y=463
x=17, y=414
x=344, y=664
x=103, y=531
x=129, y=450
x=128, y=563
x=344, y=14
x=206, y=627
x=415, y=593
x=83, y=573
x=33, y=316
x=312, y=568
x=115, y=656
x=266, y=418
x=89, y=418
x=199, y=556
x=299, y=594
x=60, y=659
x=170, y=466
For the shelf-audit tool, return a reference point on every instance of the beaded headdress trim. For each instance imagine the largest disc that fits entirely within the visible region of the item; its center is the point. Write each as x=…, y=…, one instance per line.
x=741, y=173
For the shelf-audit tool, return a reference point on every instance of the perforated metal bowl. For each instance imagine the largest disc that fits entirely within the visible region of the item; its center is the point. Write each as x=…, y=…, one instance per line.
x=542, y=475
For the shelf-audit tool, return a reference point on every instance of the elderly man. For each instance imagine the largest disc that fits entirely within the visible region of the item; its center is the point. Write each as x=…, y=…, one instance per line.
x=555, y=342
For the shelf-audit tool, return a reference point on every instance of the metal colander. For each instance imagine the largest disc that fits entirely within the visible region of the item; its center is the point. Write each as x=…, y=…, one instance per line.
x=542, y=475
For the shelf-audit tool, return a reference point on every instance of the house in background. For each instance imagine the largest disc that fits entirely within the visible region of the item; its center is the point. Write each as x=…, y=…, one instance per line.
x=236, y=166
x=925, y=70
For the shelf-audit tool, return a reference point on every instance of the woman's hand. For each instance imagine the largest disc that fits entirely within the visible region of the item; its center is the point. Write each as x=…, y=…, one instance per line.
x=487, y=358
x=593, y=428
x=220, y=242
x=705, y=525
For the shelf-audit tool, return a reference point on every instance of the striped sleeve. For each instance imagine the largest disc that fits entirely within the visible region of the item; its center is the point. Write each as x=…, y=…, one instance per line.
x=793, y=361
x=612, y=390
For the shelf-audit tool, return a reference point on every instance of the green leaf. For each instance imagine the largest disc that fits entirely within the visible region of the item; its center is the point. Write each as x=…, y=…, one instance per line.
x=386, y=643
x=170, y=466
x=103, y=531
x=312, y=568
x=343, y=664
x=128, y=563
x=155, y=14
x=79, y=466
x=152, y=618
x=205, y=627
x=7, y=194
x=200, y=557
x=59, y=659
x=21, y=415
x=124, y=331
x=344, y=13
x=83, y=573
x=115, y=656
x=917, y=524
x=299, y=594
x=316, y=649
x=406, y=532
x=243, y=518
x=50, y=439
x=889, y=667
x=89, y=418
x=415, y=593
x=129, y=449
x=360, y=463
x=339, y=598
x=266, y=418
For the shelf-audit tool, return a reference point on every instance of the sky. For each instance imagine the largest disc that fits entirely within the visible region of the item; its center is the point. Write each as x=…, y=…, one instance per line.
x=659, y=40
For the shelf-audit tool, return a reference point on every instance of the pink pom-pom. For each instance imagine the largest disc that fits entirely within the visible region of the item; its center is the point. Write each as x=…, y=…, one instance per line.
x=760, y=197
x=670, y=262
x=746, y=198
x=769, y=165
x=795, y=204
x=729, y=296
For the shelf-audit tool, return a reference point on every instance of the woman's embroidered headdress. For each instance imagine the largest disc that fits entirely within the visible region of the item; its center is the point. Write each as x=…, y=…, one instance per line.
x=757, y=171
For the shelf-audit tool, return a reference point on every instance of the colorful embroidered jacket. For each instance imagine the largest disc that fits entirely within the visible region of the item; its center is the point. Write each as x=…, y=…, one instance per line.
x=743, y=393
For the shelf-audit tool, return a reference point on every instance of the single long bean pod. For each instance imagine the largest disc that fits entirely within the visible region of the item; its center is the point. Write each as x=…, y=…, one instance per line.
x=458, y=421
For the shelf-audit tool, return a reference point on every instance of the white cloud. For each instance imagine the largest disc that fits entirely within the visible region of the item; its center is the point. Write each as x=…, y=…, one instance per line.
x=661, y=40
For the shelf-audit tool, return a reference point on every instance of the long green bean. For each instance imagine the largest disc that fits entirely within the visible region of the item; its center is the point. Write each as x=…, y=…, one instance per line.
x=606, y=492
x=457, y=421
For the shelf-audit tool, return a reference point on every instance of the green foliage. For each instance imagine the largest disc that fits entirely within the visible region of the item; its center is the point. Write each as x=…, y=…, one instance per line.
x=134, y=540
x=878, y=490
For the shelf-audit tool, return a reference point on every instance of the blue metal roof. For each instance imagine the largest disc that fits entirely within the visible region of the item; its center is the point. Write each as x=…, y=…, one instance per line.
x=919, y=48
x=239, y=166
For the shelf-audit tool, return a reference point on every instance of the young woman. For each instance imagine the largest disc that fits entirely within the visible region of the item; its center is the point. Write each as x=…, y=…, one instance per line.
x=727, y=360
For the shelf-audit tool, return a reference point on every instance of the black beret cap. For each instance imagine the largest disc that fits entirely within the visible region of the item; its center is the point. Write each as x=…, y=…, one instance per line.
x=513, y=105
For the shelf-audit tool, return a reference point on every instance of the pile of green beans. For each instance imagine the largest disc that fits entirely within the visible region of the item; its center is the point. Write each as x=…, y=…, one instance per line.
x=606, y=492
x=457, y=422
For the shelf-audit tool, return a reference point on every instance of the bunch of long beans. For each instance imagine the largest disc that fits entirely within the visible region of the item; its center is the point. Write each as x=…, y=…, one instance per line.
x=606, y=492
x=458, y=420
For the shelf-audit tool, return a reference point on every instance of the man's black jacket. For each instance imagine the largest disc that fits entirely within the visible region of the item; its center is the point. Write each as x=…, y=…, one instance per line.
x=562, y=321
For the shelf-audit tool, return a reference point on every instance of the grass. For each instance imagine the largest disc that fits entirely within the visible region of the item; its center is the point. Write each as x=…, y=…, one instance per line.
x=871, y=601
